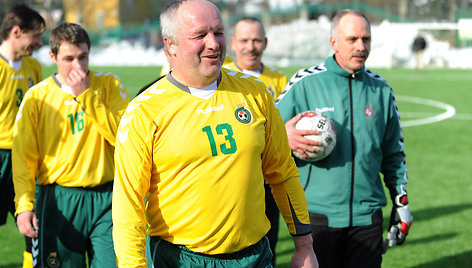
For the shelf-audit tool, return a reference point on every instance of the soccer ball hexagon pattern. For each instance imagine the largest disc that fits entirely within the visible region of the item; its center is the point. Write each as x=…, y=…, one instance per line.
x=327, y=135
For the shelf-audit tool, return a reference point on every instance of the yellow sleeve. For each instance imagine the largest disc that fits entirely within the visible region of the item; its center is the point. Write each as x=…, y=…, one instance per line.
x=105, y=104
x=38, y=71
x=133, y=164
x=282, y=82
x=25, y=154
x=281, y=173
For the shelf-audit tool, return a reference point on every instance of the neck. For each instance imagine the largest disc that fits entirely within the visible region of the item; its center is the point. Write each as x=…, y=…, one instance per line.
x=195, y=82
x=250, y=68
x=8, y=52
x=60, y=79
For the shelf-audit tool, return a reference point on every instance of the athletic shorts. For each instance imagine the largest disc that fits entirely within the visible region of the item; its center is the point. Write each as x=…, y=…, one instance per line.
x=7, y=191
x=74, y=222
x=167, y=255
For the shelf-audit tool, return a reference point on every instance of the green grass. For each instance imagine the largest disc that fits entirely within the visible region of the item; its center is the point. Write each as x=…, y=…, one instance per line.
x=438, y=161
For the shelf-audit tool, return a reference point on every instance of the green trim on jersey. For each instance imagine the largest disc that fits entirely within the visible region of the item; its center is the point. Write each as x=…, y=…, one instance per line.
x=194, y=156
x=13, y=87
x=63, y=139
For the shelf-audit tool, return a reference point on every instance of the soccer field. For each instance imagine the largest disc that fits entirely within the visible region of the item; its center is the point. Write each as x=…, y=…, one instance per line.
x=431, y=103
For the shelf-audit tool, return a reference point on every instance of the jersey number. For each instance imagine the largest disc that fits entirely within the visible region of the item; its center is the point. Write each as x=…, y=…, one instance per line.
x=19, y=97
x=76, y=122
x=222, y=129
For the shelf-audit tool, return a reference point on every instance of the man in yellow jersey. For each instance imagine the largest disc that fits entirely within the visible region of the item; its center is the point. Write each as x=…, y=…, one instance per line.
x=64, y=137
x=248, y=43
x=20, y=31
x=197, y=145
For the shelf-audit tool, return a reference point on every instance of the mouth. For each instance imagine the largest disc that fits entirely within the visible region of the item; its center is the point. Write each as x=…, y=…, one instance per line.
x=360, y=55
x=251, y=54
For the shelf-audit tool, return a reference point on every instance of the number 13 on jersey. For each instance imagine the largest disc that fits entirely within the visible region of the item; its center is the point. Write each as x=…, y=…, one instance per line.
x=229, y=147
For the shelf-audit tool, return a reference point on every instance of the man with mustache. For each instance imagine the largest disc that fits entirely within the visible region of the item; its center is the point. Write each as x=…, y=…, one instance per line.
x=344, y=190
x=248, y=43
x=20, y=32
x=198, y=145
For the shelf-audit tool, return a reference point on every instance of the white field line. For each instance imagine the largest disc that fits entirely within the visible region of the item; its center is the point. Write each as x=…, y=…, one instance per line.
x=449, y=111
x=411, y=115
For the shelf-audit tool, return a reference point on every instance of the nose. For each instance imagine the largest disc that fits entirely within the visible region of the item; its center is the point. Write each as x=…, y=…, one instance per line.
x=251, y=45
x=360, y=45
x=76, y=63
x=212, y=41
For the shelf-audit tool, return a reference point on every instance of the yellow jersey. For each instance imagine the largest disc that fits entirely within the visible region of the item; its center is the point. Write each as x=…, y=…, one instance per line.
x=13, y=86
x=63, y=139
x=274, y=79
x=201, y=163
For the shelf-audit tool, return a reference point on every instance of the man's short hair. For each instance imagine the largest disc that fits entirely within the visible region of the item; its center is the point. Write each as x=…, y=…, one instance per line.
x=252, y=20
x=339, y=14
x=70, y=33
x=167, y=18
x=24, y=17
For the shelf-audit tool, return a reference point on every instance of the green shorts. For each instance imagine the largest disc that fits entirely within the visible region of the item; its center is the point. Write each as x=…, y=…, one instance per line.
x=7, y=192
x=73, y=222
x=167, y=255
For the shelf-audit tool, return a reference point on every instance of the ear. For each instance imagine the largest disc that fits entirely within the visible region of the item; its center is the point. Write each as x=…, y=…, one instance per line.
x=265, y=43
x=333, y=43
x=15, y=31
x=232, y=42
x=52, y=56
x=169, y=46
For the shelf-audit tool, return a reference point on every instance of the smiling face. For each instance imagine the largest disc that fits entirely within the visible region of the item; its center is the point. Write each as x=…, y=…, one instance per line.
x=198, y=52
x=351, y=43
x=26, y=41
x=248, y=43
x=69, y=57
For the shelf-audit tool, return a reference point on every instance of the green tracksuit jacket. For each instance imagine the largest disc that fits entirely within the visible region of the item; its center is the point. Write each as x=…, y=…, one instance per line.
x=346, y=188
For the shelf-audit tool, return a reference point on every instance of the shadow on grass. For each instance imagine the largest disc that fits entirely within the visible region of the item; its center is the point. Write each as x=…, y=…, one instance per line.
x=11, y=265
x=455, y=261
x=426, y=214
x=432, y=213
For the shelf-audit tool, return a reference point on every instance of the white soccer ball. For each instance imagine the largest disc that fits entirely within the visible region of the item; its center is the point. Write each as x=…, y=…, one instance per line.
x=327, y=135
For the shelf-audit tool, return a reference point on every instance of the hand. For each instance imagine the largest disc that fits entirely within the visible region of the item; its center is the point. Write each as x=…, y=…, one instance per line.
x=78, y=81
x=400, y=222
x=304, y=255
x=296, y=139
x=28, y=224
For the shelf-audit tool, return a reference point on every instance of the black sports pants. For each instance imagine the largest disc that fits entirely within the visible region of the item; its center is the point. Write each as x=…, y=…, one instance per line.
x=350, y=247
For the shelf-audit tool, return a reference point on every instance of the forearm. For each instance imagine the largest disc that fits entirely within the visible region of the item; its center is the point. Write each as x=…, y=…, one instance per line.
x=291, y=202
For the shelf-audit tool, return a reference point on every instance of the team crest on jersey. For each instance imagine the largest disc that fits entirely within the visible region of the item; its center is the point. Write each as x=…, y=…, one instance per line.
x=242, y=114
x=30, y=82
x=53, y=260
x=368, y=111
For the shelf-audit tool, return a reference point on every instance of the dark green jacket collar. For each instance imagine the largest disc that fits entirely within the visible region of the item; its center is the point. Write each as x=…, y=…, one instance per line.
x=333, y=66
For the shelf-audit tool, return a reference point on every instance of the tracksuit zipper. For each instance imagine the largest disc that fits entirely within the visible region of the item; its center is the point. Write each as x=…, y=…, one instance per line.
x=352, y=151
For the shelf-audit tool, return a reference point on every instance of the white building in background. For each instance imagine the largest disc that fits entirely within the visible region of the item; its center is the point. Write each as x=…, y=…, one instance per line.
x=306, y=43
